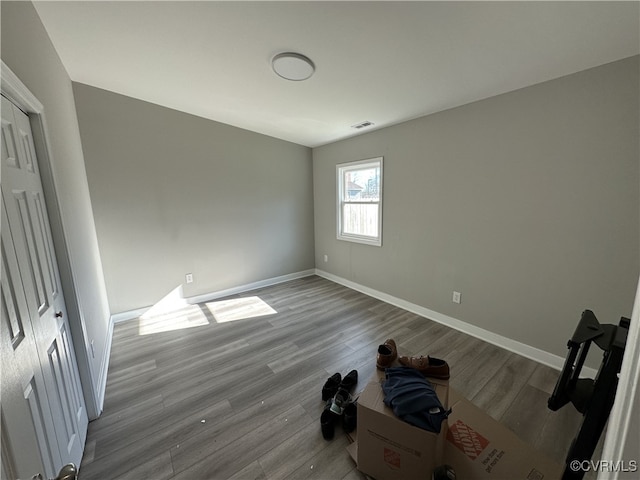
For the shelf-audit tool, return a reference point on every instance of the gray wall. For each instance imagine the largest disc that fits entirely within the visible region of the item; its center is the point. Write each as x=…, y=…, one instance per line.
x=174, y=193
x=527, y=203
x=28, y=52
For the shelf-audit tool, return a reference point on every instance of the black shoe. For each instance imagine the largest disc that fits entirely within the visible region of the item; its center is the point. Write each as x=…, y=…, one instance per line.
x=349, y=381
x=444, y=472
x=331, y=386
x=350, y=417
x=340, y=402
x=328, y=421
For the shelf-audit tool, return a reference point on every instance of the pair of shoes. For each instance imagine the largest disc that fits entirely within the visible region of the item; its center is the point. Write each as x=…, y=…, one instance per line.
x=340, y=405
x=335, y=382
x=387, y=353
x=428, y=366
x=329, y=418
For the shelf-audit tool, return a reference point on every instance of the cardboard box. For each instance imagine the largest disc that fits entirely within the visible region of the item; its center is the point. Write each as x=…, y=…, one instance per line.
x=478, y=447
x=388, y=448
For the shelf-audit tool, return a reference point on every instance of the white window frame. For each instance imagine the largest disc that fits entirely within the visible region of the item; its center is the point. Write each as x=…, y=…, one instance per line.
x=342, y=168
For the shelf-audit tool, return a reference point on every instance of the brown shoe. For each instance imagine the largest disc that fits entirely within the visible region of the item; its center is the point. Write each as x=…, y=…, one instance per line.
x=428, y=366
x=387, y=353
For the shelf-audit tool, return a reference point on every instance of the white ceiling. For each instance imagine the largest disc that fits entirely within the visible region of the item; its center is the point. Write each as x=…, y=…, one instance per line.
x=385, y=62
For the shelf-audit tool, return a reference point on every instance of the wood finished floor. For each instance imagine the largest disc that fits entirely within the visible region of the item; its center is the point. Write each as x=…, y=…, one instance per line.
x=241, y=399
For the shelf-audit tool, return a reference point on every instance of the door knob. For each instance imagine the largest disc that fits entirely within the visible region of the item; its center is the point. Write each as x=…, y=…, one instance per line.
x=58, y=314
x=68, y=472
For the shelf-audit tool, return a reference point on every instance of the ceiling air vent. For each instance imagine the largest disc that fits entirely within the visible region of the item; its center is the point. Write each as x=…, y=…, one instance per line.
x=362, y=125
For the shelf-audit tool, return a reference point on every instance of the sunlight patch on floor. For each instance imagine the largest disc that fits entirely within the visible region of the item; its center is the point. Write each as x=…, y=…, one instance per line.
x=173, y=312
x=239, y=309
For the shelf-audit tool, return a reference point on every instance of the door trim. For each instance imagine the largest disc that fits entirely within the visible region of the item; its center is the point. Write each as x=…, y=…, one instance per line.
x=619, y=447
x=18, y=93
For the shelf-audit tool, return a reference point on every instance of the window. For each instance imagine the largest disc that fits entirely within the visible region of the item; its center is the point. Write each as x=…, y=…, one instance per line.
x=360, y=201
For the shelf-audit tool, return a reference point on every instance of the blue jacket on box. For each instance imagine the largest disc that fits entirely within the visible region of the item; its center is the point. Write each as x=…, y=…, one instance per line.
x=413, y=398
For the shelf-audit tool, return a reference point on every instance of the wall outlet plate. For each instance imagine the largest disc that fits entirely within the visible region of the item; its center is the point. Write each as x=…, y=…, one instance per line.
x=457, y=297
x=189, y=277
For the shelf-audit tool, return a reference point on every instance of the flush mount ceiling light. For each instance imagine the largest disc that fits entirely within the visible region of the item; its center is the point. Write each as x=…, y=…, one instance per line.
x=293, y=66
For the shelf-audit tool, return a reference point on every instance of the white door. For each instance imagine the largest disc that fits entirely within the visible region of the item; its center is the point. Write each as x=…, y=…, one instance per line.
x=43, y=409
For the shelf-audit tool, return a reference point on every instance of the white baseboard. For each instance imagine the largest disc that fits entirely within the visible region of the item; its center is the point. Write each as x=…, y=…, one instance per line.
x=128, y=315
x=532, y=353
x=207, y=297
x=104, y=368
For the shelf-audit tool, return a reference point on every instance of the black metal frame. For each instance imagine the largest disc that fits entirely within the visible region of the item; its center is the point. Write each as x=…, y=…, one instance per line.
x=593, y=398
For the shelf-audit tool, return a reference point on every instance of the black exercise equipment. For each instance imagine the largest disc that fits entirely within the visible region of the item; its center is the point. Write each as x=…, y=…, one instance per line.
x=591, y=397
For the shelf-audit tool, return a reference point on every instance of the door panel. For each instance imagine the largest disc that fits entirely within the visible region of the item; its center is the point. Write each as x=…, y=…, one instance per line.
x=9, y=153
x=47, y=243
x=32, y=396
x=9, y=305
x=24, y=133
x=28, y=436
x=34, y=305
x=72, y=382
x=34, y=268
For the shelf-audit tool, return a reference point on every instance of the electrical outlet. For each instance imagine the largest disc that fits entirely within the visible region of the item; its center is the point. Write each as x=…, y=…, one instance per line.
x=93, y=350
x=326, y=258
x=189, y=277
x=456, y=297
